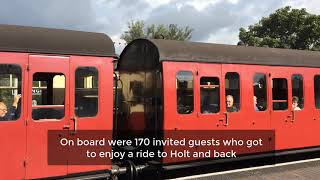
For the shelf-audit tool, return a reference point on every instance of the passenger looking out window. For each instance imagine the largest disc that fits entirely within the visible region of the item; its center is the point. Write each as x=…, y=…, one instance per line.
x=297, y=91
x=9, y=114
x=230, y=106
x=232, y=86
x=255, y=103
x=10, y=89
x=295, y=103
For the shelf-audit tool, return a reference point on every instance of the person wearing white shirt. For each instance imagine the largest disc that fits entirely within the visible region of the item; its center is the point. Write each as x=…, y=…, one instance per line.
x=295, y=103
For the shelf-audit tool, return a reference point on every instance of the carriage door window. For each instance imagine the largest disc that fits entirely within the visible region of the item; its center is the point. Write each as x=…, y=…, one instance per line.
x=86, y=92
x=279, y=94
x=232, y=84
x=210, y=95
x=297, y=92
x=48, y=96
x=10, y=86
x=260, y=92
x=184, y=86
x=317, y=91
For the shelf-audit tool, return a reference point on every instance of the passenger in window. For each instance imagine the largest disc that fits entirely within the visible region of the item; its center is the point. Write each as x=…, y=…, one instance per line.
x=255, y=103
x=295, y=103
x=230, y=106
x=9, y=114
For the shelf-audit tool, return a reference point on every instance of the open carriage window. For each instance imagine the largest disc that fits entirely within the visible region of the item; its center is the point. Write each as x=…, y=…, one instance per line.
x=279, y=94
x=10, y=86
x=260, y=92
x=297, y=92
x=317, y=91
x=184, y=85
x=210, y=95
x=232, y=85
x=48, y=96
x=86, y=92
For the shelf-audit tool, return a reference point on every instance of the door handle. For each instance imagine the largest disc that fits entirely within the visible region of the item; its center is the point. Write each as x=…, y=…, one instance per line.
x=227, y=118
x=293, y=117
x=66, y=127
x=75, y=124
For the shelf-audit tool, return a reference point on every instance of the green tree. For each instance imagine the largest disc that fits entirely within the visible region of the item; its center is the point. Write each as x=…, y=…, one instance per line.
x=285, y=28
x=137, y=29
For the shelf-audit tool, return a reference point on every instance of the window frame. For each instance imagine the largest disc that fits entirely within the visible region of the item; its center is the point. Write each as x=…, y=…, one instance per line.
x=225, y=91
x=21, y=71
x=266, y=95
x=314, y=92
x=287, y=83
x=303, y=89
x=193, y=92
x=44, y=106
x=219, y=98
x=98, y=93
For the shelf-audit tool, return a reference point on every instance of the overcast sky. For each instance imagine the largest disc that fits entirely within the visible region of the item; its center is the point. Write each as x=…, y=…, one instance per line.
x=216, y=21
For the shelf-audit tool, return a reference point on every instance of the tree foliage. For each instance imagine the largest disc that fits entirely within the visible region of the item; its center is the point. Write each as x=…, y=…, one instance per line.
x=285, y=28
x=137, y=29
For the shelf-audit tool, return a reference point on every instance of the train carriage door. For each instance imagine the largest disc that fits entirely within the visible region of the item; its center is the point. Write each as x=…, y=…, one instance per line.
x=48, y=102
x=12, y=130
x=315, y=105
x=209, y=109
x=181, y=94
x=179, y=81
x=234, y=99
x=303, y=116
x=281, y=114
x=91, y=101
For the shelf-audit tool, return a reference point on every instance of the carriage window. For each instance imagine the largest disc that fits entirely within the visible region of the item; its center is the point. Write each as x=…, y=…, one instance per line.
x=279, y=94
x=297, y=92
x=48, y=96
x=210, y=95
x=86, y=92
x=184, y=85
x=260, y=92
x=317, y=91
x=10, y=86
x=232, y=85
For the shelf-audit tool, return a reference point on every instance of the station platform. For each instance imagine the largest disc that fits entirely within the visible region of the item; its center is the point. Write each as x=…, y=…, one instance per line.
x=300, y=170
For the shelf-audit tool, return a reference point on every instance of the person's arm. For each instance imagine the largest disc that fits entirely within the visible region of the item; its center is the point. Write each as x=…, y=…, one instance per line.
x=16, y=100
x=11, y=114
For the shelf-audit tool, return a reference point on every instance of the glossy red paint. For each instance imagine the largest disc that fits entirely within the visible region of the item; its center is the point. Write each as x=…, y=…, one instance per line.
x=37, y=130
x=24, y=141
x=13, y=133
x=294, y=129
x=214, y=120
x=103, y=120
x=173, y=120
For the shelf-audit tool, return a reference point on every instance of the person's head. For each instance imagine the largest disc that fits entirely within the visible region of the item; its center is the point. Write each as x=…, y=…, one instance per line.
x=295, y=101
x=229, y=100
x=3, y=109
x=255, y=100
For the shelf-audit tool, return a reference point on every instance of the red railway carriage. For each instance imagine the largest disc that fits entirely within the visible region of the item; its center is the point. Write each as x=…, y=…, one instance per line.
x=175, y=85
x=65, y=79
